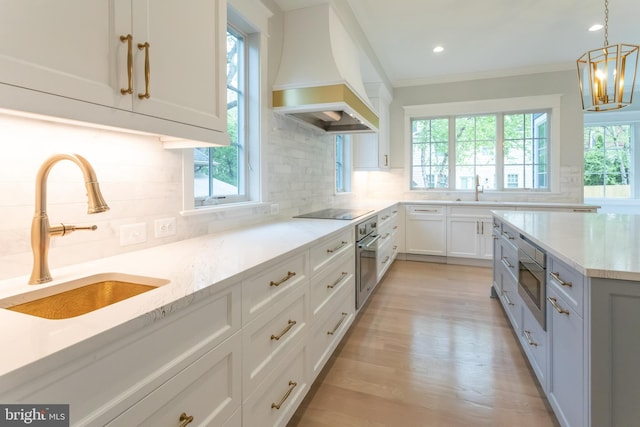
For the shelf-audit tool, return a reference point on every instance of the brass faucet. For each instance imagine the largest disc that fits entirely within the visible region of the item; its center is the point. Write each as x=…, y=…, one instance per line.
x=41, y=231
x=479, y=188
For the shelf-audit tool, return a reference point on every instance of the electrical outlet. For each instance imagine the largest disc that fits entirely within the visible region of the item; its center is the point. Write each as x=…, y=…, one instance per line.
x=132, y=234
x=275, y=208
x=165, y=227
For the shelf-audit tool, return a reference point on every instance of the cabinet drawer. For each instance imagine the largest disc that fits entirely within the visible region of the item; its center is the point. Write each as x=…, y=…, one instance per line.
x=327, y=285
x=208, y=390
x=425, y=210
x=330, y=328
x=510, y=236
x=510, y=299
x=534, y=342
x=329, y=249
x=509, y=259
x=132, y=366
x=272, y=335
x=568, y=282
x=469, y=211
x=276, y=399
x=265, y=289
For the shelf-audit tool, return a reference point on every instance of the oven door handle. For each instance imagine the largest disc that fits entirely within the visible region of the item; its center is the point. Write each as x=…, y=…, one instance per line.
x=369, y=243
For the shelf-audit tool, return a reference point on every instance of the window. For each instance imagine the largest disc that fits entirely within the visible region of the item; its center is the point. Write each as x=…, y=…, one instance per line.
x=608, y=161
x=220, y=172
x=505, y=150
x=343, y=163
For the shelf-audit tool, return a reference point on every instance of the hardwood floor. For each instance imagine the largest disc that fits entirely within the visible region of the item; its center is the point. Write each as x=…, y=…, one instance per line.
x=430, y=349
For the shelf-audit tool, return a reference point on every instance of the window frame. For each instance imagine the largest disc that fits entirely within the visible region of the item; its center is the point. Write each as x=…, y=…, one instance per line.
x=347, y=164
x=550, y=103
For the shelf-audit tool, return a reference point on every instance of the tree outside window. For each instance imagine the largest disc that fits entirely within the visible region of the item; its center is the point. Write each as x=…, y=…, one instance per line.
x=607, y=161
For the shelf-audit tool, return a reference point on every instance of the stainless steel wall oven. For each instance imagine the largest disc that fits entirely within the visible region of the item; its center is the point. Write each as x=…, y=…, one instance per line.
x=532, y=280
x=366, y=259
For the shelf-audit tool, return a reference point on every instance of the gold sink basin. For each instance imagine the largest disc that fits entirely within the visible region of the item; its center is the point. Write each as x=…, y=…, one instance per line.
x=81, y=296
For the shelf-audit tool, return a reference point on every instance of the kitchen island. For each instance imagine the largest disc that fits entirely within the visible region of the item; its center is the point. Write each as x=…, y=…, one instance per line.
x=585, y=354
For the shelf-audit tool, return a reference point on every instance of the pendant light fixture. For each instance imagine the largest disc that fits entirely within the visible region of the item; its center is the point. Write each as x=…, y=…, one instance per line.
x=607, y=75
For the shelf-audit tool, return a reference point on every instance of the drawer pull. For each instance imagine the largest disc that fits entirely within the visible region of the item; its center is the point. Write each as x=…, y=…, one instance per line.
x=342, y=276
x=506, y=296
x=559, y=280
x=507, y=235
x=506, y=262
x=527, y=336
x=386, y=259
x=554, y=303
x=186, y=419
x=289, y=275
x=344, y=316
x=386, y=236
x=128, y=39
x=427, y=210
x=147, y=70
x=292, y=385
x=340, y=246
x=384, y=218
x=290, y=324
x=395, y=227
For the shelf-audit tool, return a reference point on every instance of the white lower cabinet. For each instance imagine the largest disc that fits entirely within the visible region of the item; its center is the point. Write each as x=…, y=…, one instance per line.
x=207, y=392
x=425, y=230
x=534, y=342
x=469, y=232
x=275, y=400
x=329, y=329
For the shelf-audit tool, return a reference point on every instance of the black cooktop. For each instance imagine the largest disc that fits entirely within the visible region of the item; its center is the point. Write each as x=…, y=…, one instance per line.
x=346, y=214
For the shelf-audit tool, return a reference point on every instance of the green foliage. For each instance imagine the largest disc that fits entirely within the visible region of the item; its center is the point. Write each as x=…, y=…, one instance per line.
x=607, y=155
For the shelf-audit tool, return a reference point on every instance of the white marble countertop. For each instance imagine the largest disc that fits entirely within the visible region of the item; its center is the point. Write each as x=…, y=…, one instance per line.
x=199, y=265
x=601, y=245
x=501, y=204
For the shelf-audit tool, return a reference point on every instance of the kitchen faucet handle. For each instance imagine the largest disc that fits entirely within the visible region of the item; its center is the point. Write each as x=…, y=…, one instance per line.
x=63, y=230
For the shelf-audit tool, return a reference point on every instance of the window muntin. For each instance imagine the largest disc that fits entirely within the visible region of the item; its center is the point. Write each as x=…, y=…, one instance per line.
x=220, y=172
x=608, y=161
x=506, y=151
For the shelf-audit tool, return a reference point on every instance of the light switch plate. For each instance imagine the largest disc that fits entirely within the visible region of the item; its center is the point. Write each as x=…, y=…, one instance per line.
x=132, y=234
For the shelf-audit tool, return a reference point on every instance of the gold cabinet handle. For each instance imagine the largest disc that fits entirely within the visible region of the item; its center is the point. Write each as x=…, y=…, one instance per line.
x=559, y=280
x=342, y=276
x=186, y=419
x=147, y=70
x=340, y=246
x=426, y=210
x=507, y=235
x=506, y=296
x=290, y=325
x=385, y=260
x=554, y=303
x=527, y=335
x=292, y=385
x=344, y=316
x=128, y=39
x=289, y=275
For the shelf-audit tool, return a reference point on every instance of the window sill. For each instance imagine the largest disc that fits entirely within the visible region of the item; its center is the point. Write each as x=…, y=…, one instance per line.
x=229, y=207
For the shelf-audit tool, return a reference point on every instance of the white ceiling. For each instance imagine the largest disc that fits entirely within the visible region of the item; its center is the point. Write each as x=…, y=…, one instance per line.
x=484, y=38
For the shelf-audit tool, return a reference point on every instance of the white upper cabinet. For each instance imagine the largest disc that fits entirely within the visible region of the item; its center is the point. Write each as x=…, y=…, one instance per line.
x=187, y=57
x=371, y=150
x=68, y=48
x=54, y=54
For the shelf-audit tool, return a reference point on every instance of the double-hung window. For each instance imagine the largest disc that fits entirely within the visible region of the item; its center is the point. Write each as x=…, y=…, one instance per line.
x=499, y=151
x=220, y=173
x=609, y=161
x=343, y=163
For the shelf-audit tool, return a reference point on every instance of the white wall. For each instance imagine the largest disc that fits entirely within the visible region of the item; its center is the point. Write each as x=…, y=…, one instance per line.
x=141, y=182
x=394, y=182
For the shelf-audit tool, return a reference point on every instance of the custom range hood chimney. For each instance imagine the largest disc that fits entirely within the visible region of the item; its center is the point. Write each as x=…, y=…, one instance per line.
x=319, y=80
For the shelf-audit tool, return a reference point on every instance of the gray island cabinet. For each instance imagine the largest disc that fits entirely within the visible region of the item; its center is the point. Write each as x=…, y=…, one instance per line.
x=586, y=358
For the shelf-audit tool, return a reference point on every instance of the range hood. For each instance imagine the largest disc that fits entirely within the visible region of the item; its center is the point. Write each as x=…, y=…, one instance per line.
x=319, y=80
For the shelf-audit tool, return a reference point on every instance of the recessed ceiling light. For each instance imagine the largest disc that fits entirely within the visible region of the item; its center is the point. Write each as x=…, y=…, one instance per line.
x=438, y=49
x=596, y=27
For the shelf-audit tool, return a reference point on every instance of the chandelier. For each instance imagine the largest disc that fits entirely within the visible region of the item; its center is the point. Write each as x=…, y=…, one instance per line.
x=602, y=73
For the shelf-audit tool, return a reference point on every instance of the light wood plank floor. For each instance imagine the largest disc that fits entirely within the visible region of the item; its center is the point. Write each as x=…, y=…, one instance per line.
x=430, y=349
